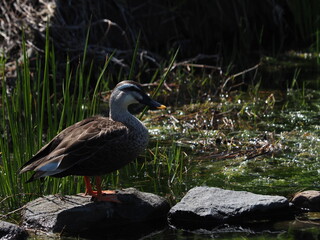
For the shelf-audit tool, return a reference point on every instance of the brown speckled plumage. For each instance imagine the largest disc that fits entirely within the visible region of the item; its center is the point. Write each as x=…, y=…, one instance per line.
x=96, y=145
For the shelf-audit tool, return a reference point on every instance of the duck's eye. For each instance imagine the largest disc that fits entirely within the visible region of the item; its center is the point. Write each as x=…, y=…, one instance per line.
x=137, y=96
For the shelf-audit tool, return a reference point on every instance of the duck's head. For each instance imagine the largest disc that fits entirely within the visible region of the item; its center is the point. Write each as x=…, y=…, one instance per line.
x=129, y=92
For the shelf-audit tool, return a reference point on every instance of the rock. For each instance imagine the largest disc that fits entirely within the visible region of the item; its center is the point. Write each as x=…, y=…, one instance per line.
x=205, y=207
x=307, y=200
x=78, y=215
x=11, y=231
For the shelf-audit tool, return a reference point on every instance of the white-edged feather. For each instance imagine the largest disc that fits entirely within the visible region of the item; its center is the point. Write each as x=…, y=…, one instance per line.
x=49, y=167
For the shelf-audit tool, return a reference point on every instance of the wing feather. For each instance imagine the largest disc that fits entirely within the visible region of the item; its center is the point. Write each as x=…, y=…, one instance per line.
x=75, y=144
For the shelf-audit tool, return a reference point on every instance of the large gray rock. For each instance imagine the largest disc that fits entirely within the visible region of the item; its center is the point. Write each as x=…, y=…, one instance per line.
x=78, y=215
x=11, y=231
x=209, y=206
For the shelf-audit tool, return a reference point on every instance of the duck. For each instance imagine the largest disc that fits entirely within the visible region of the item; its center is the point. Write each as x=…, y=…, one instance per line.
x=97, y=145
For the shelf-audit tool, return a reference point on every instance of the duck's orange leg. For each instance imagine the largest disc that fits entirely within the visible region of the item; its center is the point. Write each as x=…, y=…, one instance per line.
x=99, y=191
x=106, y=195
x=88, y=186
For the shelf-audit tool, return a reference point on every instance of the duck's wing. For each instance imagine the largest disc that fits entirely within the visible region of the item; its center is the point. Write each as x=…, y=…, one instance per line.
x=75, y=144
x=51, y=146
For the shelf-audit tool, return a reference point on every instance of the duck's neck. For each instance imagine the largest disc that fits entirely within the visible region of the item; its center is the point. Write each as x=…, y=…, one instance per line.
x=127, y=119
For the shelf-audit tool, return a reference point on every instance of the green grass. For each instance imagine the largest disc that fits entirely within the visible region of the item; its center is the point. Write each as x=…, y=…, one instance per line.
x=32, y=113
x=317, y=44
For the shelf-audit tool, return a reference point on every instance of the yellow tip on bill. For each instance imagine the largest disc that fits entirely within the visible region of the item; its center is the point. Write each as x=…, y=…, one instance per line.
x=162, y=107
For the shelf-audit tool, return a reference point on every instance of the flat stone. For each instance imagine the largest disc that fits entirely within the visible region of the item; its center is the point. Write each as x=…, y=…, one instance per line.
x=307, y=200
x=12, y=231
x=208, y=206
x=78, y=215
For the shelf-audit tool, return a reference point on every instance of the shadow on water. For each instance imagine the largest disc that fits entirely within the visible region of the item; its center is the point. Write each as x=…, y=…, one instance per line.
x=132, y=231
x=278, y=230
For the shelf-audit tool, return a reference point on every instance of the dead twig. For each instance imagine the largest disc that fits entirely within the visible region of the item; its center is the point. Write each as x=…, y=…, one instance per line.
x=3, y=216
x=239, y=74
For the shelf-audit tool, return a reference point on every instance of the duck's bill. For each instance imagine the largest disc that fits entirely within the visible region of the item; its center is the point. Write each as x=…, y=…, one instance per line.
x=162, y=107
x=153, y=105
